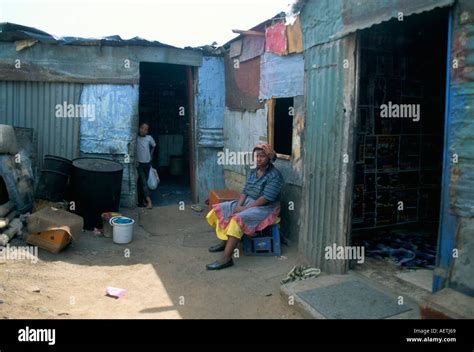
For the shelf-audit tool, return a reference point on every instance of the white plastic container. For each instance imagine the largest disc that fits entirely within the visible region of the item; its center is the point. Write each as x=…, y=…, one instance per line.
x=122, y=229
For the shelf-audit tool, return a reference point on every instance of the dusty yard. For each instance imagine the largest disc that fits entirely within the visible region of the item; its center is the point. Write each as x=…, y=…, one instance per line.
x=163, y=271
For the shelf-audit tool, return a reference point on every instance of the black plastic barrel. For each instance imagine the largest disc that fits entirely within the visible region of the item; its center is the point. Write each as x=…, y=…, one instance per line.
x=54, y=178
x=56, y=163
x=52, y=185
x=96, y=185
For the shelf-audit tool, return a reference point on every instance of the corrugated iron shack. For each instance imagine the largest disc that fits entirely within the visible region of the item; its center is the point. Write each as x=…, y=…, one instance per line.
x=265, y=103
x=368, y=172
x=179, y=92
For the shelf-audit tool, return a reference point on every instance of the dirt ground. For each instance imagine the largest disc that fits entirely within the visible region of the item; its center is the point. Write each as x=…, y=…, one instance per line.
x=164, y=276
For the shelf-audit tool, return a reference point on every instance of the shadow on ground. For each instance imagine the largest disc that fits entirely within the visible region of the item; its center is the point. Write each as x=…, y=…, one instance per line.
x=163, y=271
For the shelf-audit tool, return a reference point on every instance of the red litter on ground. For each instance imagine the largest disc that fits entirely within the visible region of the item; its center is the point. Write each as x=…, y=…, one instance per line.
x=115, y=292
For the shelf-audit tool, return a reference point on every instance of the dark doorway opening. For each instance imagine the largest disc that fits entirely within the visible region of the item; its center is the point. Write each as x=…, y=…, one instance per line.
x=283, y=125
x=399, y=140
x=164, y=103
x=3, y=192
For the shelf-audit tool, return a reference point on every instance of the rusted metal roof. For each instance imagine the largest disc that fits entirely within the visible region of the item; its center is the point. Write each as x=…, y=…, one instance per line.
x=11, y=32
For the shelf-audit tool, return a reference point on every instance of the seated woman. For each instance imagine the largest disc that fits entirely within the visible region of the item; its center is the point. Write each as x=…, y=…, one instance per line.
x=257, y=207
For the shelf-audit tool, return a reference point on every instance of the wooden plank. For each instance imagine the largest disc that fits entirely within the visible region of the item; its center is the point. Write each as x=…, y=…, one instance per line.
x=271, y=120
x=295, y=37
x=36, y=73
x=4, y=222
x=244, y=32
x=283, y=156
x=6, y=208
x=12, y=231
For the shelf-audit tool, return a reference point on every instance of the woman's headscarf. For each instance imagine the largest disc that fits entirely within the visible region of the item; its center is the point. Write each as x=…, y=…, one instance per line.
x=267, y=150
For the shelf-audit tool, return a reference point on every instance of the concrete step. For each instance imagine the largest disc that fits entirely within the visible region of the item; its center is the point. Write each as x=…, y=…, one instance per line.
x=290, y=294
x=447, y=304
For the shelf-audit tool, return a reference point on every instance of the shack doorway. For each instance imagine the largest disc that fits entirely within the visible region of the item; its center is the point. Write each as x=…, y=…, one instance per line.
x=399, y=142
x=164, y=103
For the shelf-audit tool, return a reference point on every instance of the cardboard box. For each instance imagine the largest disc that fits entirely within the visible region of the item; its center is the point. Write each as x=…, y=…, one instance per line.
x=52, y=240
x=222, y=195
x=50, y=218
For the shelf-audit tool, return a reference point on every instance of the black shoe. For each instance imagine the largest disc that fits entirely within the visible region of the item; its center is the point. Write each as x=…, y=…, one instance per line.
x=218, y=266
x=217, y=247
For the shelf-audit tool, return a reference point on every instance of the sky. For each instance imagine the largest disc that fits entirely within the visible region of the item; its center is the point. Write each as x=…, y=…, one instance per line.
x=175, y=22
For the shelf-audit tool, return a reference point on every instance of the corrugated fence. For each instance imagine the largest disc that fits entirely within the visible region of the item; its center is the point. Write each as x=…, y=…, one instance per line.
x=33, y=105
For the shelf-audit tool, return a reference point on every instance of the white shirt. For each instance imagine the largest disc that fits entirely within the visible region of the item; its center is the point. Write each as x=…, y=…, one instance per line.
x=143, y=148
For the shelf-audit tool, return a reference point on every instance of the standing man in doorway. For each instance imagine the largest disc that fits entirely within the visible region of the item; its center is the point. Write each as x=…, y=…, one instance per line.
x=145, y=149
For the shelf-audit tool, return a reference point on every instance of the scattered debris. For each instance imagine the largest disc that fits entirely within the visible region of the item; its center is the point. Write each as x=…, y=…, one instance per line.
x=300, y=272
x=197, y=208
x=107, y=229
x=53, y=229
x=43, y=203
x=115, y=292
x=43, y=310
x=285, y=240
x=6, y=208
x=18, y=177
x=98, y=232
x=14, y=229
x=408, y=250
x=53, y=240
x=8, y=141
x=24, y=217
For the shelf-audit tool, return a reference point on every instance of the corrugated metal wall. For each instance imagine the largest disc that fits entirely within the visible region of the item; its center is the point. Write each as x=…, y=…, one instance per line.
x=242, y=130
x=32, y=105
x=325, y=20
x=329, y=120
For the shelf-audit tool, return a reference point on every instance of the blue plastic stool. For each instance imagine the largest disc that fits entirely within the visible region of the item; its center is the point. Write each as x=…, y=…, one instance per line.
x=263, y=243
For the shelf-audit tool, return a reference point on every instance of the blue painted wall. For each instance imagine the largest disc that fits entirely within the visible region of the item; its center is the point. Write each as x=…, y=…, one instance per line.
x=281, y=76
x=456, y=238
x=115, y=107
x=111, y=132
x=209, y=125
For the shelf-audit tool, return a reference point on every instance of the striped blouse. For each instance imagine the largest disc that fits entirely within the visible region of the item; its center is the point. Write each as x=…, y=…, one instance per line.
x=269, y=185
